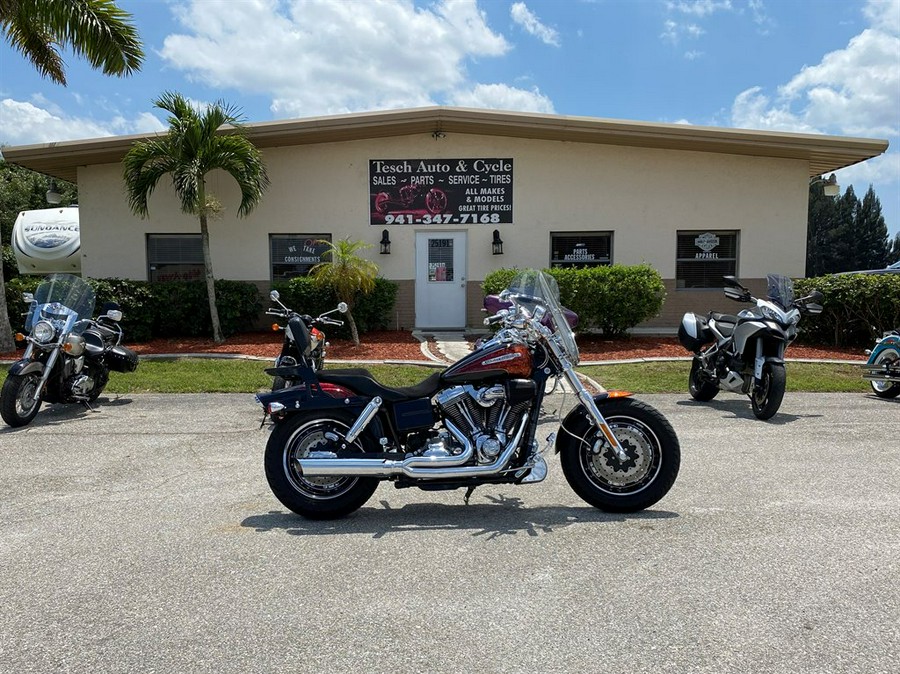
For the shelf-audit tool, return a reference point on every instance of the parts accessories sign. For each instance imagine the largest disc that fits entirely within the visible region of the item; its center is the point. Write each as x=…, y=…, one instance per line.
x=440, y=191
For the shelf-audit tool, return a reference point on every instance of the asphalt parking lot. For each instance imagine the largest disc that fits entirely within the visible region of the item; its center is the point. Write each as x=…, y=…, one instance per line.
x=143, y=538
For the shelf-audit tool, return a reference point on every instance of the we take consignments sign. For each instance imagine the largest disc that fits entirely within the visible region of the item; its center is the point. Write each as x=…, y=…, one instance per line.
x=440, y=191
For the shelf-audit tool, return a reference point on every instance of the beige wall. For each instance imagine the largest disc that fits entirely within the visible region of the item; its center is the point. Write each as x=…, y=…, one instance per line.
x=643, y=195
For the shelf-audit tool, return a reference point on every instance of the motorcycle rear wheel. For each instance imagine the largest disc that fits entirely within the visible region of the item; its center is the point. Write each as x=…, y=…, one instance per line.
x=17, y=404
x=882, y=388
x=326, y=497
x=700, y=388
x=599, y=477
x=767, y=398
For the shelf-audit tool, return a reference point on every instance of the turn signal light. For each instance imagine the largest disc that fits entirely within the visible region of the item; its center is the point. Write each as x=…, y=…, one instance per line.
x=20, y=337
x=276, y=327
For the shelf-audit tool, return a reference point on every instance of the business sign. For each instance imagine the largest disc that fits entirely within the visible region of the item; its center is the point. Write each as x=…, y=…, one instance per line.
x=707, y=243
x=440, y=191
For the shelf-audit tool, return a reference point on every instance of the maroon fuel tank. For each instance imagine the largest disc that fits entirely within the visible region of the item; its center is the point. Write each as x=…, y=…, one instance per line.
x=489, y=362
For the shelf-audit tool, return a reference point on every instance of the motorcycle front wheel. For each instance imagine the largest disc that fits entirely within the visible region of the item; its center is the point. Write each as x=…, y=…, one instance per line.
x=17, y=404
x=436, y=201
x=767, y=397
x=883, y=388
x=318, y=497
x=600, y=477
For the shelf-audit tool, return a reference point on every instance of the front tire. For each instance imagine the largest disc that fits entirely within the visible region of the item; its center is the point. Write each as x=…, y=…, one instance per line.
x=767, y=397
x=599, y=477
x=325, y=497
x=700, y=388
x=882, y=388
x=17, y=404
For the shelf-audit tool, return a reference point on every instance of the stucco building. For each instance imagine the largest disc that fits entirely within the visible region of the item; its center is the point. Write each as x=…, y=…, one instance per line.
x=445, y=186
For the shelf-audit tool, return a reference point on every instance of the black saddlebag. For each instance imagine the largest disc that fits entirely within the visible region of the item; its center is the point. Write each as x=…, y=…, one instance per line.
x=121, y=359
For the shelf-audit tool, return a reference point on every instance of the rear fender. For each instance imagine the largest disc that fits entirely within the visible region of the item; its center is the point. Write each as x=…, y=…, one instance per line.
x=578, y=421
x=890, y=342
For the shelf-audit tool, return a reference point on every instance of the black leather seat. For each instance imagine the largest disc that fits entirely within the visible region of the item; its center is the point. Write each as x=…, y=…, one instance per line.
x=724, y=322
x=361, y=381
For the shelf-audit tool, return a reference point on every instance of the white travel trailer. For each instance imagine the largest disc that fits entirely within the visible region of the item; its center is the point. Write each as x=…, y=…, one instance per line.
x=48, y=240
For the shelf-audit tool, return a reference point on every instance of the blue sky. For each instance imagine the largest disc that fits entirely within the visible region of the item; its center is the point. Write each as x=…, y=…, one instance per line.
x=829, y=66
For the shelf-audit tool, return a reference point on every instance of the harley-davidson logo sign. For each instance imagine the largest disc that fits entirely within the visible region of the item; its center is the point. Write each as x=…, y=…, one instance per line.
x=706, y=242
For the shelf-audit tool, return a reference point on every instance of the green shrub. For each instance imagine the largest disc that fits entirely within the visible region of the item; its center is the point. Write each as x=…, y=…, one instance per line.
x=857, y=308
x=373, y=311
x=611, y=298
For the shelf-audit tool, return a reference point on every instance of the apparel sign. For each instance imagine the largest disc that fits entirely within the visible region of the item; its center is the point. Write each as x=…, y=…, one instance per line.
x=706, y=243
x=440, y=191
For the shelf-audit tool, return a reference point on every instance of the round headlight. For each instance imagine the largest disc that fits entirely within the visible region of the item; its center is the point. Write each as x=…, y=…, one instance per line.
x=43, y=331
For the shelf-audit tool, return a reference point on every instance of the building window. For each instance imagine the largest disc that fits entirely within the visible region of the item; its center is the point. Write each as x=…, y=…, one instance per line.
x=295, y=254
x=573, y=249
x=704, y=257
x=174, y=257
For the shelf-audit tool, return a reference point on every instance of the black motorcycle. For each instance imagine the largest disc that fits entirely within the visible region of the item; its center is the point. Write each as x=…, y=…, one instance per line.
x=68, y=355
x=745, y=353
x=339, y=432
x=303, y=342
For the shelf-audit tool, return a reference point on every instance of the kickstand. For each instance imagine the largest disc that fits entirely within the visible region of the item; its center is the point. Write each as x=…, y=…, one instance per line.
x=469, y=491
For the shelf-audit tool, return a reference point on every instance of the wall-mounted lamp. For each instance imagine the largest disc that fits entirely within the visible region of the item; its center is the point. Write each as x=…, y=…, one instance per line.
x=385, y=243
x=437, y=135
x=53, y=196
x=830, y=185
x=497, y=243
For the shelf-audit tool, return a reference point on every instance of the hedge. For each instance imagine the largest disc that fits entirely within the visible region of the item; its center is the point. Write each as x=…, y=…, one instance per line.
x=612, y=298
x=166, y=309
x=857, y=308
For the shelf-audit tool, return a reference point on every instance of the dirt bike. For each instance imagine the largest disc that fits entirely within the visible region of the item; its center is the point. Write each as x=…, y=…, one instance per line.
x=69, y=355
x=745, y=353
x=303, y=341
x=338, y=433
x=435, y=199
x=883, y=367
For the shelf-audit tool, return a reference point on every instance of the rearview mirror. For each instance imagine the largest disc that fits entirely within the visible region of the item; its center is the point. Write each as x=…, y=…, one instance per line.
x=342, y=307
x=273, y=295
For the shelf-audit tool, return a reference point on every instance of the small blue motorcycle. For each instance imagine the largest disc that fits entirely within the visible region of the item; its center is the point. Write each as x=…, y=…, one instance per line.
x=883, y=367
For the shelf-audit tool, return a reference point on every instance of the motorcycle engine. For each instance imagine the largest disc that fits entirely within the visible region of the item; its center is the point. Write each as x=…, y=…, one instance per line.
x=487, y=415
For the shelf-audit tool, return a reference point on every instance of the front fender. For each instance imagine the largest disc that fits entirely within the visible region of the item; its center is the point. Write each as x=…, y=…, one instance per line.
x=26, y=367
x=577, y=421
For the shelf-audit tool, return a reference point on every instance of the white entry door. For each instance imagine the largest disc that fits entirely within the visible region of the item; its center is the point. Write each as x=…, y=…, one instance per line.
x=441, y=280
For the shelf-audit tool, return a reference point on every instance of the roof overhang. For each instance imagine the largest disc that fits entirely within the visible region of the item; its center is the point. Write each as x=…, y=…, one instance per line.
x=824, y=153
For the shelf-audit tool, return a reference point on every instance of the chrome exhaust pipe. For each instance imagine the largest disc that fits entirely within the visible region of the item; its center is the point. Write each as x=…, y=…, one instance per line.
x=419, y=467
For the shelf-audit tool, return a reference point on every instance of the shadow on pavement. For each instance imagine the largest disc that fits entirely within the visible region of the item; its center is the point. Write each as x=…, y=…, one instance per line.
x=501, y=517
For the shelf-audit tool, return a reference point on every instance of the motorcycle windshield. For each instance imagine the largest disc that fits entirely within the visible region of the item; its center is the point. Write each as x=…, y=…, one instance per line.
x=62, y=298
x=781, y=290
x=534, y=287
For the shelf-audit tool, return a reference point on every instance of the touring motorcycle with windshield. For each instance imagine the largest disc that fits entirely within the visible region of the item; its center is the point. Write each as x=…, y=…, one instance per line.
x=303, y=341
x=744, y=353
x=68, y=355
x=339, y=432
x=882, y=370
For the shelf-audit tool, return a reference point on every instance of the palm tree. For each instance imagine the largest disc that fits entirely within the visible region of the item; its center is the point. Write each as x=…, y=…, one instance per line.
x=347, y=274
x=95, y=29
x=192, y=148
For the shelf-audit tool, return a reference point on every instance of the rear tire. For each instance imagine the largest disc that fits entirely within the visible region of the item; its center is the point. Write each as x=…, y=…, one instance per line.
x=599, y=477
x=767, y=399
x=17, y=404
x=886, y=389
x=318, y=498
x=700, y=388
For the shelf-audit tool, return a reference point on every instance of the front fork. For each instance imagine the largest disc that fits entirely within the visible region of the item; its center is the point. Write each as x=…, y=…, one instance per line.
x=48, y=368
x=591, y=406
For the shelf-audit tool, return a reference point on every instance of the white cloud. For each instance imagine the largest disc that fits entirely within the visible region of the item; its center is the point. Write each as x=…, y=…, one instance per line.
x=852, y=91
x=529, y=21
x=503, y=97
x=24, y=123
x=699, y=8
x=323, y=57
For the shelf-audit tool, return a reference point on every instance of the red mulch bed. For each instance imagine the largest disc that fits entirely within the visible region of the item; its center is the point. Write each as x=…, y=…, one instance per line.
x=394, y=345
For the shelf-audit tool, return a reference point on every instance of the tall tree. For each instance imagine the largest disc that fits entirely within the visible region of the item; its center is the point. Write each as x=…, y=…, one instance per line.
x=347, y=274
x=871, y=245
x=96, y=30
x=894, y=253
x=822, y=220
x=196, y=144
